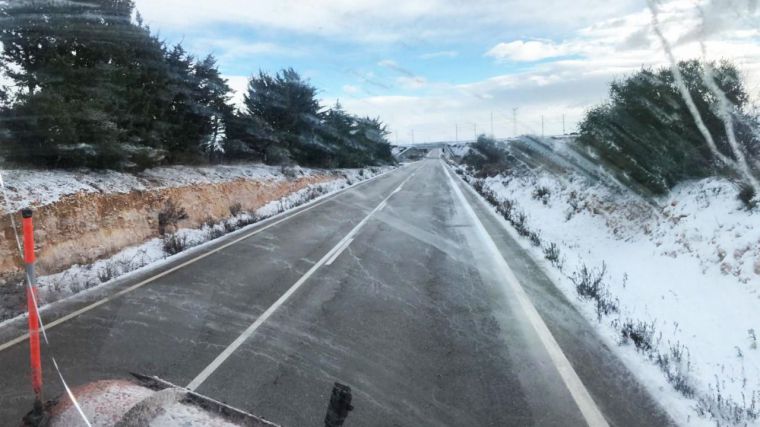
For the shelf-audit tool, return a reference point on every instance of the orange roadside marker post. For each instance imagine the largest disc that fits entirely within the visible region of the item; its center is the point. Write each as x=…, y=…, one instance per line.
x=34, y=321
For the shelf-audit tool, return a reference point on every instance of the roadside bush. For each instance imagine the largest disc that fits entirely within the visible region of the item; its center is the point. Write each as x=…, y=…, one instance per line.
x=520, y=222
x=720, y=407
x=535, y=238
x=487, y=158
x=214, y=232
x=236, y=209
x=641, y=334
x=676, y=366
x=505, y=208
x=748, y=196
x=174, y=244
x=552, y=254
x=589, y=284
x=542, y=193
x=170, y=215
x=289, y=172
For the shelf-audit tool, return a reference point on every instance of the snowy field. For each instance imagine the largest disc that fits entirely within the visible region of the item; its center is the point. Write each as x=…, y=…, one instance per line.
x=679, y=279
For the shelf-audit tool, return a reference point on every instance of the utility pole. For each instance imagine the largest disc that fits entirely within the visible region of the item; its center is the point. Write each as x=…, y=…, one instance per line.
x=542, y=125
x=514, y=122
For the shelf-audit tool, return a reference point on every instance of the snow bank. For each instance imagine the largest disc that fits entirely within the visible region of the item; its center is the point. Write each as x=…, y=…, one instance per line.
x=42, y=187
x=688, y=273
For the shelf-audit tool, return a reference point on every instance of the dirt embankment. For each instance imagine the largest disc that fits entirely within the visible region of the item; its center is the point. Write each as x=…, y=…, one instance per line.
x=85, y=227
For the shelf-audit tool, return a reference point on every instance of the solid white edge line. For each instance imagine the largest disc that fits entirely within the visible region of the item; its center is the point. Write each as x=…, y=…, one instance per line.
x=260, y=228
x=590, y=411
x=224, y=355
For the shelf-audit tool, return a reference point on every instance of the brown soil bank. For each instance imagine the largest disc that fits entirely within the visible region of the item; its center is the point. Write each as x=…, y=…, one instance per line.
x=85, y=227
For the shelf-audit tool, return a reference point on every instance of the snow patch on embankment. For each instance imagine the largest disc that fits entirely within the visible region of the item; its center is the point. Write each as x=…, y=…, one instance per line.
x=33, y=188
x=678, y=289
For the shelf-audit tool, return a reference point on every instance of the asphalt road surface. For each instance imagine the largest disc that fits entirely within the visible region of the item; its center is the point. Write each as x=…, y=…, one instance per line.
x=405, y=288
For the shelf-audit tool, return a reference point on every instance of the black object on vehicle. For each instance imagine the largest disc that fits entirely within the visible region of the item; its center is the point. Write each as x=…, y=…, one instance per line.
x=340, y=405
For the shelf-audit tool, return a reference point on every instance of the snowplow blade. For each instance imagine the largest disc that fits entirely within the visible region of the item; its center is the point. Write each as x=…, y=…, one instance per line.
x=145, y=401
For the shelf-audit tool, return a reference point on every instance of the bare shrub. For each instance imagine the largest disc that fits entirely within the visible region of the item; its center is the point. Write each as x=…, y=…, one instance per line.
x=641, y=334
x=174, y=244
x=236, y=209
x=170, y=215
x=535, y=238
x=214, y=233
x=542, y=193
x=748, y=196
x=590, y=285
x=676, y=365
x=552, y=254
x=289, y=172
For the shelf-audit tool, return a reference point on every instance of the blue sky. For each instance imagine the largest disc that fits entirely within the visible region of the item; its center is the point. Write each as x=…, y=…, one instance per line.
x=436, y=66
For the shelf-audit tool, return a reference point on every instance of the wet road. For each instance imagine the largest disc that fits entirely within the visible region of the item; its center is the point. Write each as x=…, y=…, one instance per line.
x=406, y=288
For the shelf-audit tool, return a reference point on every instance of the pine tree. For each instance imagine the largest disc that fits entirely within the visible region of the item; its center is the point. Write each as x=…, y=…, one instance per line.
x=73, y=64
x=281, y=117
x=213, y=101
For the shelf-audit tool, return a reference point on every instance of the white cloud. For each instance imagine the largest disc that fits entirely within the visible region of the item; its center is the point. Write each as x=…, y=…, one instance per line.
x=378, y=21
x=351, y=89
x=532, y=50
x=230, y=49
x=567, y=87
x=440, y=54
x=415, y=82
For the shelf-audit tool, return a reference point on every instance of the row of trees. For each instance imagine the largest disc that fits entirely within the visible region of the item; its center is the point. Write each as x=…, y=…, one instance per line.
x=92, y=87
x=648, y=134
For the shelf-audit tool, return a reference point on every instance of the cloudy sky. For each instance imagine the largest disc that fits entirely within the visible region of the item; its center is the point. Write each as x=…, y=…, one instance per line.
x=435, y=68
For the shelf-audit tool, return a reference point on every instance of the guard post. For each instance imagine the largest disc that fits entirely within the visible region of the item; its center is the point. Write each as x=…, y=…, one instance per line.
x=31, y=298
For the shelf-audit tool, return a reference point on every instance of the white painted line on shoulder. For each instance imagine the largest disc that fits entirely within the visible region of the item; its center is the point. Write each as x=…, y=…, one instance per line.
x=590, y=411
x=224, y=355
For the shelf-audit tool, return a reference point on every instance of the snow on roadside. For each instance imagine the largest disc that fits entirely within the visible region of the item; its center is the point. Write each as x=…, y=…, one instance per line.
x=26, y=187
x=153, y=253
x=459, y=150
x=689, y=272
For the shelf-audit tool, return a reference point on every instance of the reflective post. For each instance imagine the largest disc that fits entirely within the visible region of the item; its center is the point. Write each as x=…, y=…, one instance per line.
x=31, y=296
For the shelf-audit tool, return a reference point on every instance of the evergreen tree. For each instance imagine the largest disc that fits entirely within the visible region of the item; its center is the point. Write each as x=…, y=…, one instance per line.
x=647, y=133
x=373, y=134
x=97, y=90
x=73, y=63
x=213, y=102
x=280, y=119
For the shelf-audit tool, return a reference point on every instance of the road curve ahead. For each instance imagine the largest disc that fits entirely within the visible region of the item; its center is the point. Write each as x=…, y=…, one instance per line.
x=405, y=288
